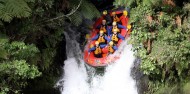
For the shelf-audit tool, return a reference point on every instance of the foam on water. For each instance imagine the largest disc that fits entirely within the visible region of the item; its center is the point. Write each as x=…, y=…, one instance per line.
x=78, y=79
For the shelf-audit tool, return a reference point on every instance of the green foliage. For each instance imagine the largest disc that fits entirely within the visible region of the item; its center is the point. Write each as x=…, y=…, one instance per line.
x=127, y=3
x=31, y=44
x=15, y=74
x=47, y=58
x=170, y=46
x=3, y=53
x=14, y=8
x=186, y=88
x=86, y=10
x=161, y=38
x=15, y=69
x=169, y=88
x=18, y=50
x=133, y=3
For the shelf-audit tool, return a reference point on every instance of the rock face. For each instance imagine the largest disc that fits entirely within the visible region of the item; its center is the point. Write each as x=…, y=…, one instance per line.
x=61, y=52
x=141, y=79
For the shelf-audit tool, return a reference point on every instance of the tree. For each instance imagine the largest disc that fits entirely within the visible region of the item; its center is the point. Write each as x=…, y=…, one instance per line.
x=30, y=33
x=161, y=39
x=14, y=67
x=14, y=9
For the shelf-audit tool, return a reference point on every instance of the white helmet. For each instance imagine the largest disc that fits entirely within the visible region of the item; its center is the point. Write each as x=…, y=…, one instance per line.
x=114, y=23
x=96, y=42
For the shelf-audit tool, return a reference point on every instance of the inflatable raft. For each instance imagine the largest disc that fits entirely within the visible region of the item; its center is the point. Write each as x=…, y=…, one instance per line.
x=106, y=59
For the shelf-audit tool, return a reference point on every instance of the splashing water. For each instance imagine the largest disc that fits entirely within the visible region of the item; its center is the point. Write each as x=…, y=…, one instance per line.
x=78, y=79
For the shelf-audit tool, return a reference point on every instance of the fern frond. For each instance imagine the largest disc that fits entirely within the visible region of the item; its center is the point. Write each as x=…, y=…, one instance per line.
x=126, y=3
x=13, y=8
x=76, y=18
x=1, y=23
x=3, y=54
x=73, y=4
x=79, y=9
x=88, y=10
x=29, y=1
x=5, y=16
x=151, y=2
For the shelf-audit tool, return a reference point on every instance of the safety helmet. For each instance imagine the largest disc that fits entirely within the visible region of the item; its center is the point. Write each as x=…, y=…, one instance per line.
x=114, y=23
x=128, y=26
x=125, y=12
x=91, y=45
x=105, y=12
x=111, y=43
x=113, y=13
x=104, y=20
x=101, y=31
x=87, y=36
x=96, y=42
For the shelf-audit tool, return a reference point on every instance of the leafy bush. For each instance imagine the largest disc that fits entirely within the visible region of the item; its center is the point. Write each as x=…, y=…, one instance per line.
x=15, y=69
x=161, y=38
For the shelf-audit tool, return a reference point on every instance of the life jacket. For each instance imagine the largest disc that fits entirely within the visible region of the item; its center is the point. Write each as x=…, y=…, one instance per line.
x=110, y=49
x=103, y=27
x=101, y=39
x=114, y=38
x=98, y=50
x=116, y=19
x=115, y=27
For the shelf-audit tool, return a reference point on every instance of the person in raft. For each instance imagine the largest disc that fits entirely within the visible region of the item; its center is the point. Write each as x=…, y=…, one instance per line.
x=101, y=38
x=124, y=18
x=114, y=17
x=107, y=17
x=116, y=36
x=115, y=26
x=129, y=29
x=97, y=49
x=103, y=27
x=112, y=47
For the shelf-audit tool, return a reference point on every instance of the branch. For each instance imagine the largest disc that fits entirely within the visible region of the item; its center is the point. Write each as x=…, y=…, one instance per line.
x=69, y=14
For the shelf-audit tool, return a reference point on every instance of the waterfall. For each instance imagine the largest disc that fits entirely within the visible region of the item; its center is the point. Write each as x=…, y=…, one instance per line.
x=79, y=78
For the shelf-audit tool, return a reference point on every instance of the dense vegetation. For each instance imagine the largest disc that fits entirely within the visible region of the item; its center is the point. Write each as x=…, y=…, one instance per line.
x=161, y=38
x=30, y=32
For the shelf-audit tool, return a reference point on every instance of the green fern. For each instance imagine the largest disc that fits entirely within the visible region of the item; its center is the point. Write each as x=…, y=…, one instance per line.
x=3, y=53
x=126, y=3
x=1, y=23
x=131, y=3
x=76, y=18
x=29, y=1
x=151, y=2
x=86, y=10
x=79, y=9
x=14, y=8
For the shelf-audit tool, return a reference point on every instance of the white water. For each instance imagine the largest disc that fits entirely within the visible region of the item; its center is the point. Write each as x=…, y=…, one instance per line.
x=78, y=79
